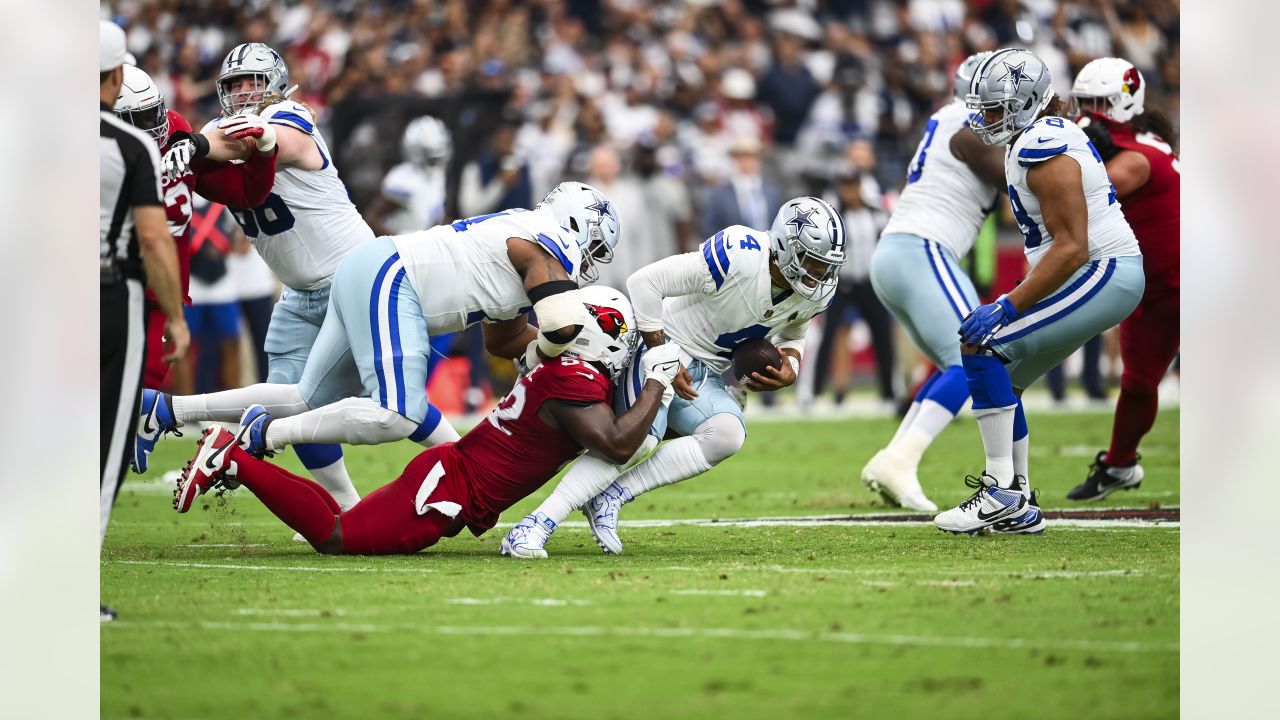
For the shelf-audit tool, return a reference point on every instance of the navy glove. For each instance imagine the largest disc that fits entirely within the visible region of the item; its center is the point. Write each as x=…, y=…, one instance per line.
x=987, y=320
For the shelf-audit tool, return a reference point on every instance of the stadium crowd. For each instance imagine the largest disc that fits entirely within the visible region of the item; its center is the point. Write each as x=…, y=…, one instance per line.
x=691, y=115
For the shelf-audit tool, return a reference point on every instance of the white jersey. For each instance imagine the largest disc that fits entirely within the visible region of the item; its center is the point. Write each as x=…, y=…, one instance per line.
x=944, y=200
x=418, y=194
x=1048, y=137
x=462, y=272
x=737, y=301
x=307, y=223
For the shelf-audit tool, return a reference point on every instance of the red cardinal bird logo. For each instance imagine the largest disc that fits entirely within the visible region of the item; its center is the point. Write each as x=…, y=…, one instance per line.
x=610, y=320
x=1132, y=80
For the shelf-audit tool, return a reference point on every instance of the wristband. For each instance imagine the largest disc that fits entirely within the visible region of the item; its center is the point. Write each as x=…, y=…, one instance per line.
x=200, y=142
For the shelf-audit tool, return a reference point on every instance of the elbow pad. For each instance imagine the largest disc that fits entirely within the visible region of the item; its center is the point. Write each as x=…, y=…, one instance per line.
x=561, y=317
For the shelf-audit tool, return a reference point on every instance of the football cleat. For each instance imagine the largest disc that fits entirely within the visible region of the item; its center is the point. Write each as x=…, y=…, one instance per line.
x=602, y=517
x=1105, y=479
x=106, y=614
x=155, y=420
x=1031, y=522
x=989, y=504
x=252, y=435
x=896, y=481
x=211, y=463
x=529, y=537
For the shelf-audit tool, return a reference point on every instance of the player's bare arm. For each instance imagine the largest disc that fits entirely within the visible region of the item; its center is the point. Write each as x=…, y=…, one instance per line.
x=509, y=338
x=1058, y=185
x=596, y=428
x=160, y=260
x=1129, y=171
x=561, y=314
x=986, y=161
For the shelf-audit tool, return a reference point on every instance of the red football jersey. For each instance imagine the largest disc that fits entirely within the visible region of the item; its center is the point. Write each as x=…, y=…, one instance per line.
x=512, y=453
x=1154, y=210
x=177, y=208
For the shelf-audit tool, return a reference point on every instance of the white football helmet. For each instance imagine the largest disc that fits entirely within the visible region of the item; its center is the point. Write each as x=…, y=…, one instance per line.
x=588, y=214
x=1014, y=82
x=808, y=245
x=966, y=71
x=1112, y=87
x=612, y=338
x=141, y=105
x=426, y=142
x=258, y=60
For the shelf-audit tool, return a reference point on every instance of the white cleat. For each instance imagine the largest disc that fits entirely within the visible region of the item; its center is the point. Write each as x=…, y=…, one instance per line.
x=895, y=479
x=988, y=506
x=602, y=517
x=529, y=537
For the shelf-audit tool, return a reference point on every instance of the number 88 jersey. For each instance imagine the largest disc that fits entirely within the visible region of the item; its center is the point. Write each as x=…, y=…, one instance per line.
x=308, y=223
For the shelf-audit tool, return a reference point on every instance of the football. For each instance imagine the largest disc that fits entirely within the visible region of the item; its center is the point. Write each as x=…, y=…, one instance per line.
x=754, y=355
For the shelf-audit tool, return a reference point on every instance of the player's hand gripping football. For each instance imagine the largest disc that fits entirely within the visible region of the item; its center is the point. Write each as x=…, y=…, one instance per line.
x=987, y=320
x=773, y=378
x=250, y=127
x=662, y=363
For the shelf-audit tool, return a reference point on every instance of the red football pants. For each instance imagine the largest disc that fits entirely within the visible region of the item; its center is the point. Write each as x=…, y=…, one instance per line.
x=157, y=371
x=1149, y=340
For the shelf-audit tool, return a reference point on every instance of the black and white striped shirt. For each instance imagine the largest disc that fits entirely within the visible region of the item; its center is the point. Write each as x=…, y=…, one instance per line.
x=130, y=176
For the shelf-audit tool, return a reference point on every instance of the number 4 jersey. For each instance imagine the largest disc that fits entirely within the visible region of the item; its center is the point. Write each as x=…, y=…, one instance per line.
x=513, y=453
x=308, y=222
x=1043, y=140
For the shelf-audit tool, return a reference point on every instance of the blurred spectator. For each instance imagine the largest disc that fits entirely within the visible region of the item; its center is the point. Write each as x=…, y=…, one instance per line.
x=214, y=313
x=256, y=290
x=655, y=211
x=788, y=89
x=747, y=198
x=498, y=178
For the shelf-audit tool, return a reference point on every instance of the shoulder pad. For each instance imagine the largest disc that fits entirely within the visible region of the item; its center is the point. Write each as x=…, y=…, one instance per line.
x=289, y=114
x=735, y=250
x=1045, y=138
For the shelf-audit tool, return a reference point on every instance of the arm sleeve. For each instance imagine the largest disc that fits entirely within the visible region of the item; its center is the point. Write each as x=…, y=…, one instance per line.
x=793, y=336
x=144, y=174
x=237, y=185
x=685, y=274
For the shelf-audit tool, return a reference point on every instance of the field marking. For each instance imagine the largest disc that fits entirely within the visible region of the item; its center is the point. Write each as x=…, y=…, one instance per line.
x=722, y=593
x=288, y=612
x=536, y=602
x=286, y=568
x=222, y=545
x=784, y=635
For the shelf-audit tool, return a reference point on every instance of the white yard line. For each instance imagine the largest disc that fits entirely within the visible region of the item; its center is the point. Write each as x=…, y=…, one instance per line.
x=222, y=545
x=775, y=635
x=722, y=593
x=536, y=602
x=846, y=520
x=272, y=568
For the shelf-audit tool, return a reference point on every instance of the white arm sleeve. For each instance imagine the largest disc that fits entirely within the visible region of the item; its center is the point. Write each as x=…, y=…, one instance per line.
x=674, y=276
x=793, y=336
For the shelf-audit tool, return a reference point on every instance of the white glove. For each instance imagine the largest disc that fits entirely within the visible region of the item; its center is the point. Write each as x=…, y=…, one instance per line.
x=177, y=162
x=662, y=363
x=250, y=126
x=530, y=360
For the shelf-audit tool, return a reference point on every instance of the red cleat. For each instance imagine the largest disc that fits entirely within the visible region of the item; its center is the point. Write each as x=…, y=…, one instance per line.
x=211, y=464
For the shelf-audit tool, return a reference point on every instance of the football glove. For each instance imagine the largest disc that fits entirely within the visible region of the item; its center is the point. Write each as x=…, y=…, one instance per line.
x=250, y=126
x=1100, y=136
x=530, y=360
x=662, y=363
x=177, y=161
x=986, y=320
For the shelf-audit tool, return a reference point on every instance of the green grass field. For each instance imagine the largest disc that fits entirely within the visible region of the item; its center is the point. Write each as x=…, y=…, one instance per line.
x=223, y=616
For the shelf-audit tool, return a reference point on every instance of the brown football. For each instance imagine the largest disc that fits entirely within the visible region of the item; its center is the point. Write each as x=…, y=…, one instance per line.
x=754, y=356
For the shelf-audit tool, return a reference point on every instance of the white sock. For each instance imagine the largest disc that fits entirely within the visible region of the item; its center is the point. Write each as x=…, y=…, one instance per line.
x=996, y=426
x=588, y=477
x=906, y=422
x=1122, y=473
x=443, y=433
x=678, y=460
x=228, y=405
x=353, y=421
x=335, y=479
x=929, y=422
x=1020, y=450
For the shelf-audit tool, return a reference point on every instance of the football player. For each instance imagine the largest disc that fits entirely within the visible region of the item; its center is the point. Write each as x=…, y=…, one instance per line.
x=1136, y=144
x=413, y=192
x=365, y=380
x=1086, y=276
x=554, y=411
x=742, y=284
x=951, y=188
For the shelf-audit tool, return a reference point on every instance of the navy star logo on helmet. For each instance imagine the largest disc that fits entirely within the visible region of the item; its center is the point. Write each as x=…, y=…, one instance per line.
x=801, y=219
x=601, y=206
x=1015, y=73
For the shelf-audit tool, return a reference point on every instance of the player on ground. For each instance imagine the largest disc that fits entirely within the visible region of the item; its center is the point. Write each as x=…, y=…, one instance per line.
x=951, y=188
x=1086, y=276
x=554, y=411
x=1137, y=146
x=743, y=284
x=302, y=230
x=413, y=192
x=365, y=381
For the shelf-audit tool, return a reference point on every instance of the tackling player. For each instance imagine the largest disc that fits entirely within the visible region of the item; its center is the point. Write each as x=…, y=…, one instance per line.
x=1086, y=276
x=915, y=270
x=743, y=284
x=1136, y=145
x=554, y=411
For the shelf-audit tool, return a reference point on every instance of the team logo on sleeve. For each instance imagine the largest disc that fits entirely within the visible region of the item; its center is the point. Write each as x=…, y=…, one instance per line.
x=610, y=320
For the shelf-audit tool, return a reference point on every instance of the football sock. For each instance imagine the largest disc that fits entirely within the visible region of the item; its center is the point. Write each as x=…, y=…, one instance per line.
x=715, y=440
x=227, y=406
x=993, y=406
x=353, y=421
x=434, y=430
x=1021, y=445
x=1135, y=414
x=588, y=477
x=325, y=464
x=915, y=408
x=302, y=504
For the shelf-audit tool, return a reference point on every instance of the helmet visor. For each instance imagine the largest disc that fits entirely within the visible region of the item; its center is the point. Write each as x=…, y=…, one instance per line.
x=151, y=119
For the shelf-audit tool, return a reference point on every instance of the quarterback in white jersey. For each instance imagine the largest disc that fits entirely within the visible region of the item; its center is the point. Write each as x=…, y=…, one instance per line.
x=742, y=284
x=1086, y=276
x=413, y=192
x=915, y=271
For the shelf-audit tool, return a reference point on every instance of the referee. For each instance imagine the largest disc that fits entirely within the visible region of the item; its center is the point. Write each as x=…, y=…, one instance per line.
x=134, y=243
